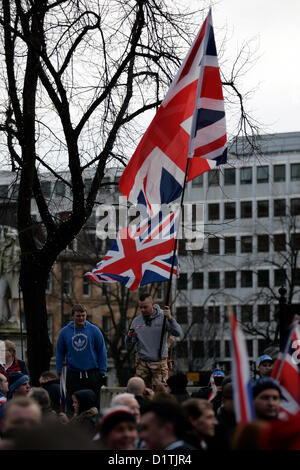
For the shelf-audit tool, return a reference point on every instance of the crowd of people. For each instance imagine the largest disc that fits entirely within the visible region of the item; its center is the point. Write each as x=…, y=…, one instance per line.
x=156, y=412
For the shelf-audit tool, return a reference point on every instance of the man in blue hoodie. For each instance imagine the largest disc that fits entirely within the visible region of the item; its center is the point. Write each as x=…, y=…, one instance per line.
x=145, y=331
x=82, y=344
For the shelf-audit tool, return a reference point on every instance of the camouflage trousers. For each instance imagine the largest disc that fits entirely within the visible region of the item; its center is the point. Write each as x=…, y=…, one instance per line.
x=153, y=373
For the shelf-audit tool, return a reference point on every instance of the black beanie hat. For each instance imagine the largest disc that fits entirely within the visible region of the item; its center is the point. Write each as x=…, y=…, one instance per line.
x=265, y=383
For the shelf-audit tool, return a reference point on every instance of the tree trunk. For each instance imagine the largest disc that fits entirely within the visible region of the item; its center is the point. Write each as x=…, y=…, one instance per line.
x=33, y=281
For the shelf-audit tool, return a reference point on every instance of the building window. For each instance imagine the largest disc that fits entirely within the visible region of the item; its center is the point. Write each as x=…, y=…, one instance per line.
x=214, y=246
x=279, y=277
x=246, y=175
x=279, y=207
x=197, y=349
x=246, y=244
x=49, y=285
x=182, y=314
x=197, y=280
x=213, y=348
x=182, y=349
x=262, y=174
x=230, y=279
x=250, y=347
x=279, y=173
x=106, y=324
x=229, y=210
x=246, y=209
x=295, y=171
x=227, y=348
x=67, y=281
x=214, y=314
x=197, y=182
x=297, y=277
x=60, y=188
x=160, y=291
x=15, y=191
x=197, y=314
x=86, y=287
x=214, y=280
x=246, y=279
x=263, y=278
x=295, y=241
x=279, y=242
x=263, y=243
x=181, y=247
x=263, y=208
x=46, y=188
x=295, y=206
x=182, y=281
x=213, y=211
x=230, y=245
x=213, y=177
x=246, y=313
x=229, y=176
x=263, y=313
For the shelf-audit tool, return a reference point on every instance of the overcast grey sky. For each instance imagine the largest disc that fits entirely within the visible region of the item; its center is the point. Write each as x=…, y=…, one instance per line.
x=273, y=25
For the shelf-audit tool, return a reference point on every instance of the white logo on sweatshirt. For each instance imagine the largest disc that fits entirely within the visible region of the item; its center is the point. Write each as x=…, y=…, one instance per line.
x=79, y=342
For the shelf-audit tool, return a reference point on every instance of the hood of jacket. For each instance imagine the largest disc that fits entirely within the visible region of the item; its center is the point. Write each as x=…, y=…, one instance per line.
x=86, y=399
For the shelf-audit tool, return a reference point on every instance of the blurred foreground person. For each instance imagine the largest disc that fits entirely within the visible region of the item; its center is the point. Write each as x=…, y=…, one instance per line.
x=177, y=384
x=281, y=435
x=19, y=413
x=18, y=384
x=117, y=429
x=163, y=426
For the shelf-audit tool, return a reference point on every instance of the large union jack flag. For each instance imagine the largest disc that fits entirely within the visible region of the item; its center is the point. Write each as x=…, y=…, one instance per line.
x=286, y=371
x=141, y=254
x=190, y=121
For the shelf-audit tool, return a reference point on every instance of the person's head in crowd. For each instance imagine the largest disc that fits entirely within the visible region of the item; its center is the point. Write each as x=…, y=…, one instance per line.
x=146, y=305
x=227, y=398
x=3, y=385
x=47, y=376
x=10, y=351
x=84, y=400
x=217, y=377
x=136, y=386
x=177, y=382
x=162, y=423
x=18, y=384
x=266, y=395
x=265, y=365
x=201, y=416
x=20, y=413
x=41, y=397
x=127, y=399
x=247, y=435
x=118, y=428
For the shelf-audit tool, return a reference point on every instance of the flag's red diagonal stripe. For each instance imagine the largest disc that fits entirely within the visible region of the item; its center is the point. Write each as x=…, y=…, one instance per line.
x=193, y=53
x=205, y=149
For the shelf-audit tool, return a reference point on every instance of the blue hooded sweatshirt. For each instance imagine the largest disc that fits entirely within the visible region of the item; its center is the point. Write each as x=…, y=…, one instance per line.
x=83, y=347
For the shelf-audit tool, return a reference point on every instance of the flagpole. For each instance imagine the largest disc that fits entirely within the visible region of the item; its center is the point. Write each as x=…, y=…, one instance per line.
x=189, y=156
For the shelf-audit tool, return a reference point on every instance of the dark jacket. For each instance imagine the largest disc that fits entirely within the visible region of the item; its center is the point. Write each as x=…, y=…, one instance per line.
x=53, y=389
x=204, y=393
x=88, y=412
x=17, y=366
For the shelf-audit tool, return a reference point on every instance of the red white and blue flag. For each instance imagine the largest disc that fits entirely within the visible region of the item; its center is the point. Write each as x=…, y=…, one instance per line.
x=214, y=390
x=243, y=396
x=141, y=254
x=190, y=121
x=286, y=371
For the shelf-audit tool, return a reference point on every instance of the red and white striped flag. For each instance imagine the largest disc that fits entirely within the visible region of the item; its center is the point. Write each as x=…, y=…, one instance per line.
x=243, y=396
x=62, y=390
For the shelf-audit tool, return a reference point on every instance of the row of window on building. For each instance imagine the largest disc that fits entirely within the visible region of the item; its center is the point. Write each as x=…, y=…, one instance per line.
x=263, y=174
x=281, y=208
x=235, y=279
x=279, y=242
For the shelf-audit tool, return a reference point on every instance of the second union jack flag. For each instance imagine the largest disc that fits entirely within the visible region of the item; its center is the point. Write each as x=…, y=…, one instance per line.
x=141, y=254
